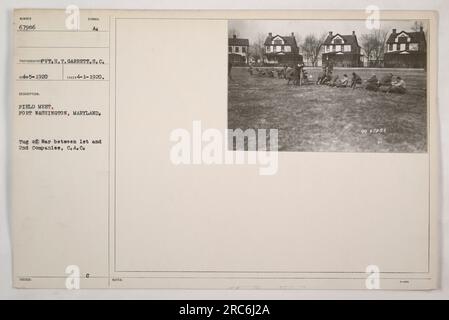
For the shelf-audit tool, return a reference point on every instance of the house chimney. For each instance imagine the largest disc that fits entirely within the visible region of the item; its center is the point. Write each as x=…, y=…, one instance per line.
x=293, y=34
x=353, y=33
x=330, y=33
x=234, y=36
x=394, y=31
x=421, y=28
x=270, y=34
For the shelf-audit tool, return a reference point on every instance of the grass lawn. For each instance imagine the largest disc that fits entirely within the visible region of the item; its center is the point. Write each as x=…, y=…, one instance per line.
x=322, y=118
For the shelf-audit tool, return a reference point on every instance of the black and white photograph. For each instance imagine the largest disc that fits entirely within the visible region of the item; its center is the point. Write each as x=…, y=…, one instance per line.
x=224, y=156
x=330, y=86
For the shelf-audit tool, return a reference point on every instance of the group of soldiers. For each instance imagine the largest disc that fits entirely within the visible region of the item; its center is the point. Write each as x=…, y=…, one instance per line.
x=384, y=84
x=327, y=78
x=299, y=76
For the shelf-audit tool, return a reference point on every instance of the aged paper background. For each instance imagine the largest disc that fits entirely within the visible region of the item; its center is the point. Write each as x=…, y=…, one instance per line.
x=147, y=215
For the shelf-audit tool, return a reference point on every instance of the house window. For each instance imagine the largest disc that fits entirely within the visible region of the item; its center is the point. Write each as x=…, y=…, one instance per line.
x=268, y=49
x=347, y=48
x=390, y=47
x=413, y=47
x=402, y=48
x=338, y=41
x=395, y=47
x=402, y=39
x=282, y=48
x=338, y=48
x=237, y=49
x=230, y=49
x=244, y=49
x=277, y=41
x=278, y=48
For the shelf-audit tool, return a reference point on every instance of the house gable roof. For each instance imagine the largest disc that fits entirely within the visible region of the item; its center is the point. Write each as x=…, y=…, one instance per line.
x=238, y=42
x=417, y=36
x=288, y=40
x=347, y=39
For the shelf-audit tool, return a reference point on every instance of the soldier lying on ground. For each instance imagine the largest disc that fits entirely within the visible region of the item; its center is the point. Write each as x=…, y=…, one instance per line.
x=281, y=74
x=320, y=78
x=324, y=78
x=327, y=79
x=397, y=86
x=385, y=82
x=334, y=81
x=372, y=84
x=322, y=75
x=343, y=82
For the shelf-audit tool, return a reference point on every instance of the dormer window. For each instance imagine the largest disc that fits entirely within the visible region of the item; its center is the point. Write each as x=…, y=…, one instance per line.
x=338, y=41
x=402, y=39
x=277, y=42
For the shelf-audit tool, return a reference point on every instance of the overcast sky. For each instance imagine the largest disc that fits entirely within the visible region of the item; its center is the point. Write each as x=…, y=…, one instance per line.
x=250, y=29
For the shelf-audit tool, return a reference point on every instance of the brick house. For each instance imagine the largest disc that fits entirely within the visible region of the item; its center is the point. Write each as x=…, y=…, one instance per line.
x=238, y=50
x=341, y=50
x=406, y=50
x=281, y=50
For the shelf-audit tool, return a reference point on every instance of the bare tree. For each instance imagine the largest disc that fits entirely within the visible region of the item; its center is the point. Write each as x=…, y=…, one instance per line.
x=311, y=47
x=417, y=25
x=373, y=45
x=256, y=48
x=298, y=39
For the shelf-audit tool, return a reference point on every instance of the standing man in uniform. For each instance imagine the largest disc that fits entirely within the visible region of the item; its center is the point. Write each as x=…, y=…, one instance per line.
x=298, y=69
